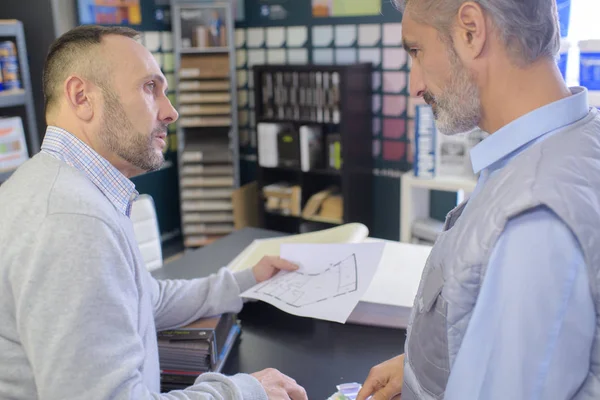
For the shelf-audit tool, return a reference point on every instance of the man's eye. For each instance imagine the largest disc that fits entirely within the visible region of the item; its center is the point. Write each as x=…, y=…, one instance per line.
x=414, y=52
x=151, y=85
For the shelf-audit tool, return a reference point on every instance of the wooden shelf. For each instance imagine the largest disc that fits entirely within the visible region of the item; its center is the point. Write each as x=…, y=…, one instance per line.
x=207, y=50
x=326, y=172
x=294, y=121
x=332, y=221
x=318, y=171
x=414, y=197
x=276, y=214
x=12, y=98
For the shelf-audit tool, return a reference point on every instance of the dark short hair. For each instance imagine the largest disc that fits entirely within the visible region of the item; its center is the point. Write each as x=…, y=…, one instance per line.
x=69, y=50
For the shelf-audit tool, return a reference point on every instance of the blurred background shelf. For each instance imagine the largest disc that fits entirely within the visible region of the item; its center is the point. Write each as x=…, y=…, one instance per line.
x=13, y=98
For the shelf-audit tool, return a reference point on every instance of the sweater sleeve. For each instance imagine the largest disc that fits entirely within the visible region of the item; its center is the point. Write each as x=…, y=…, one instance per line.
x=77, y=309
x=179, y=302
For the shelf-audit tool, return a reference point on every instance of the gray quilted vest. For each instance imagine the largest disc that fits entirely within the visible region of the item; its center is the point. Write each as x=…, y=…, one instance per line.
x=563, y=173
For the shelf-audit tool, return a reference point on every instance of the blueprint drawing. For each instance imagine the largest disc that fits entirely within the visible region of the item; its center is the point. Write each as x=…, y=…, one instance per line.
x=331, y=279
x=301, y=289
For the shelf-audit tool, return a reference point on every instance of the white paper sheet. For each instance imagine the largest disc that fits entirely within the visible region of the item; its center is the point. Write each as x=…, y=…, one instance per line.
x=331, y=280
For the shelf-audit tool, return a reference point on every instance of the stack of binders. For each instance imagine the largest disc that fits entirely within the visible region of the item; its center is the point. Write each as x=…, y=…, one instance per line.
x=202, y=346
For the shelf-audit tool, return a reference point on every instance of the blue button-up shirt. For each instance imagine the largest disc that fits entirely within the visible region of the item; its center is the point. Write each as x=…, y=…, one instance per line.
x=72, y=151
x=531, y=333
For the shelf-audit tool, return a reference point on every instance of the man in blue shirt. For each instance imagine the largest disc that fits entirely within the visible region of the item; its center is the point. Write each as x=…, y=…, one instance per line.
x=490, y=64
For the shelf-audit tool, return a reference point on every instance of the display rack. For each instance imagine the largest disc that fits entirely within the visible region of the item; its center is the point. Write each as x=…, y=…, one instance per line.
x=19, y=102
x=346, y=112
x=207, y=133
x=415, y=197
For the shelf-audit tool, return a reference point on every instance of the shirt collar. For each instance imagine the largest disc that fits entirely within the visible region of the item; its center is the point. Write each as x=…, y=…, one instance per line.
x=529, y=128
x=112, y=183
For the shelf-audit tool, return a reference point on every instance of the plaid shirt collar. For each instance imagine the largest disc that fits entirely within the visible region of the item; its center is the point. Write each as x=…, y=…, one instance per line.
x=112, y=183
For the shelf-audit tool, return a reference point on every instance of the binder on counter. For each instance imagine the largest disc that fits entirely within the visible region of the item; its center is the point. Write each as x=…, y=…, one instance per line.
x=202, y=346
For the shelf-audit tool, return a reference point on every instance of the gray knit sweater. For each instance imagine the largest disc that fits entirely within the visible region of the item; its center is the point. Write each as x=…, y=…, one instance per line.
x=78, y=310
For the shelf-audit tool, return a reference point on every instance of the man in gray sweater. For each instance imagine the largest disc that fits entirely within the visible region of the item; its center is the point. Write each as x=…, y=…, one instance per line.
x=79, y=310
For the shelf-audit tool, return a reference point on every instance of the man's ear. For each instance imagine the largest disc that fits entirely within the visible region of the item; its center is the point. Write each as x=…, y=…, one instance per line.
x=80, y=97
x=470, y=33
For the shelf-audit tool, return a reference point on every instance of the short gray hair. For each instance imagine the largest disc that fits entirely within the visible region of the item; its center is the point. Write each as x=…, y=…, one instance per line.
x=529, y=28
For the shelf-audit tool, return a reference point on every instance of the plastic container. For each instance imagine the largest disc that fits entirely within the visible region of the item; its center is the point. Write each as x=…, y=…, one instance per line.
x=563, y=57
x=564, y=15
x=594, y=99
x=589, y=64
x=10, y=73
x=8, y=49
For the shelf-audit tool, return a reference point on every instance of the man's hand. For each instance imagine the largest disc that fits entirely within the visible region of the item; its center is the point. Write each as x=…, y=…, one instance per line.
x=384, y=381
x=279, y=386
x=269, y=266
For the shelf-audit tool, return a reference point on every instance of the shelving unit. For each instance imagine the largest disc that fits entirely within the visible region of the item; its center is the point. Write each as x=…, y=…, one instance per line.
x=13, y=98
x=207, y=137
x=19, y=102
x=414, y=197
x=347, y=113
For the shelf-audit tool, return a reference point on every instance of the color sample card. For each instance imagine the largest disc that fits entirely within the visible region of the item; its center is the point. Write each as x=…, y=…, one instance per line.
x=276, y=56
x=345, y=8
x=242, y=78
x=370, y=55
x=275, y=37
x=393, y=151
x=393, y=105
x=240, y=38
x=323, y=56
x=166, y=41
x=297, y=56
x=297, y=36
x=376, y=103
x=376, y=81
x=256, y=57
x=394, y=128
x=345, y=35
x=369, y=34
x=392, y=34
x=242, y=98
x=256, y=37
x=376, y=148
x=322, y=36
x=168, y=62
x=241, y=58
x=393, y=59
x=152, y=41
x=376, y=126
x=159, y=59
x=345, y=56
x=394, y=82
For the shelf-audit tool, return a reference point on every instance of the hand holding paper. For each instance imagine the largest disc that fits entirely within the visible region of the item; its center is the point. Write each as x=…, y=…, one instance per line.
x=331, y=279
x=268, y=266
